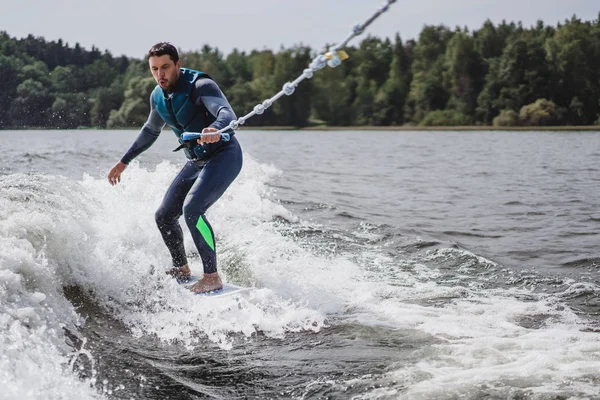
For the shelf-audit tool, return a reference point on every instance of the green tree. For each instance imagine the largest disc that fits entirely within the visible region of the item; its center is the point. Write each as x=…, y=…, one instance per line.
x=507, y=118
x=56, y=54
x=292, y=110
x=69, y=111
x=446, y=118
x=541, y=113
x=135, y=108
x=363, y=105
x=523, y=72
x=263, y=84
x=242, y=98
x=104, y=101
x=489, y=41
x=334, y=90
x=487, y=101
x=77, y=56
x=391, y=97
x=37, y=71
x=9, y=71
x=427, y=92
x=463, y=75
x=209, y=60
x=31, y=106
x=574, y=54
x=100, y=73
x=239, y=66
x=446, y=77
x=63, y=79
x=372, y=61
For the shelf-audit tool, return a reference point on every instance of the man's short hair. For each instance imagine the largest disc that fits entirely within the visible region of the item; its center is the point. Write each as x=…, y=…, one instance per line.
x=162, y=48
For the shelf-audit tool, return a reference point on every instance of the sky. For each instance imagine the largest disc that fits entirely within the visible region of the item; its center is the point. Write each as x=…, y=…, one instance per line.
x=131, y=27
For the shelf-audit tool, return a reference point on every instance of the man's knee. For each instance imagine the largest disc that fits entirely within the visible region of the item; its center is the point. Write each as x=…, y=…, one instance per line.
x=163, y=217
x=192, y=212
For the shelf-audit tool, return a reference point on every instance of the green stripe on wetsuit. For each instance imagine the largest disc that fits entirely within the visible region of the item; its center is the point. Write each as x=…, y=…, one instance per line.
x=206, y=233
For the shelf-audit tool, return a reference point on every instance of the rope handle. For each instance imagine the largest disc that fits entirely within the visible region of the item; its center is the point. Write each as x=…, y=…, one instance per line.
x=186, y=136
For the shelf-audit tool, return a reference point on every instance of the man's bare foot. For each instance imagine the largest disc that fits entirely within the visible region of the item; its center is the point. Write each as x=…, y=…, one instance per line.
x=182, y=273
x=208, y=283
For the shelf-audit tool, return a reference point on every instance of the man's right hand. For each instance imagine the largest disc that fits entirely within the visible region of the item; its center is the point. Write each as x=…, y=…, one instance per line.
x=114, y=176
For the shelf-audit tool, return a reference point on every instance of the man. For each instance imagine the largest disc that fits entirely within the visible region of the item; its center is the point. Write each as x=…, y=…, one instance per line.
x=188, y=101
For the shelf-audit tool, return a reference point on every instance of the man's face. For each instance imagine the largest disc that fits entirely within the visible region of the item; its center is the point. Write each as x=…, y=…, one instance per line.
x=164, y=71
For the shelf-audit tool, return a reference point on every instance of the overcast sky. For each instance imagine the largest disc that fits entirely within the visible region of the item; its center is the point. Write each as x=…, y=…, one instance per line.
x=130, y=27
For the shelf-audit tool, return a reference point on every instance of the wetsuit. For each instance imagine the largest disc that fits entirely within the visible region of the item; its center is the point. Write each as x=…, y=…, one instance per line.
x=210, y=170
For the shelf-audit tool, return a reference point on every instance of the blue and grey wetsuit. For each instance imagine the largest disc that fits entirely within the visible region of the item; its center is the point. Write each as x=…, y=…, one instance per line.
x=196, y=103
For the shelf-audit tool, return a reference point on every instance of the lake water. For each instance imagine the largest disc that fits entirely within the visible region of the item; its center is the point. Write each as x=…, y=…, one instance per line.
x=388, y=265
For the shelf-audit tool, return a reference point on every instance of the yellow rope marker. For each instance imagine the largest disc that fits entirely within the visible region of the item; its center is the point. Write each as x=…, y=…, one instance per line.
x=341, y=54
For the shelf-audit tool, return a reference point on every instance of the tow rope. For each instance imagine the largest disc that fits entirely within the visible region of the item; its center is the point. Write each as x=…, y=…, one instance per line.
x=333, y=58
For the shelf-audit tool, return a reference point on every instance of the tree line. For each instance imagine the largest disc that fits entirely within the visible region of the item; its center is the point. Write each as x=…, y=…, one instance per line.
x=502, y=75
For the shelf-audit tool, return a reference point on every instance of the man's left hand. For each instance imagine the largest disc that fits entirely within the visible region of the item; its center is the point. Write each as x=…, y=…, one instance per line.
x=209, y=138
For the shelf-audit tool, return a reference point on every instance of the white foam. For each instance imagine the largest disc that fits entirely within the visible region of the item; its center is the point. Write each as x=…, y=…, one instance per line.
x=485, y=343
x=33, y=312
x=55, y=232
x=128, y=242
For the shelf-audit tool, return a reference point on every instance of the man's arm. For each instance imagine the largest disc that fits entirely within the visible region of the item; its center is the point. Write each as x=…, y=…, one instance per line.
x=207, y=92
x=147, y=135
x=145, y=139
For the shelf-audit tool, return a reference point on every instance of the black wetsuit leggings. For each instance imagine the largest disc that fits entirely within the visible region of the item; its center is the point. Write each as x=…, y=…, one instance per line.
x=192, y=192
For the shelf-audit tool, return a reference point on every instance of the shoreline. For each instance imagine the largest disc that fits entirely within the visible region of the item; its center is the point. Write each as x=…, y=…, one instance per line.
x=454, y=128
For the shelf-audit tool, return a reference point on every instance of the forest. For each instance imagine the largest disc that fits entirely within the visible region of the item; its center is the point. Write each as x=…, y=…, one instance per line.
x=497, y=75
